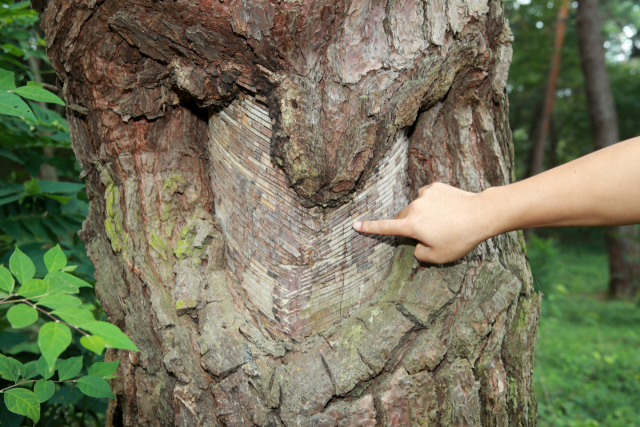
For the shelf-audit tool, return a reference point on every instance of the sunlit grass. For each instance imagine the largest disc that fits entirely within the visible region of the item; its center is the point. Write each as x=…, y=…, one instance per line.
x=588, y=352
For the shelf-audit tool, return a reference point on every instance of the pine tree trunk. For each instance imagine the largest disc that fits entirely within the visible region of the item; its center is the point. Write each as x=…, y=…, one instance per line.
x=228, y=145
x=538, y=149
x=623, y=243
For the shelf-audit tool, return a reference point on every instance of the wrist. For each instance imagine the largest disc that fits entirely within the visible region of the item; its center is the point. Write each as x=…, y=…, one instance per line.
x=494, y=215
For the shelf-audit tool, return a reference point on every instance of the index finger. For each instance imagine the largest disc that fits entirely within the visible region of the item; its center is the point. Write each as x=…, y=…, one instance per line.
x=387, y=227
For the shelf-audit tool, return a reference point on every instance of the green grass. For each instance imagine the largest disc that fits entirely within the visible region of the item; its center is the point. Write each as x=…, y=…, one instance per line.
x=587, y=369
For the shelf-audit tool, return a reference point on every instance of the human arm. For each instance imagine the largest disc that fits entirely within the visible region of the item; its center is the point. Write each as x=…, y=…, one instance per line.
x=602, y=188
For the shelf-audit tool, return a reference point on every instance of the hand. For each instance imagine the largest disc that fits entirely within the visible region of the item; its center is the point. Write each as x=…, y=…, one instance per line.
x=445, y=220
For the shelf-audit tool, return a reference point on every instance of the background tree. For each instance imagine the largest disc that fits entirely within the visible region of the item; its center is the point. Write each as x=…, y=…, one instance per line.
x=339, y=87
x=570, y=135
x=542, y=132
x=622, y=242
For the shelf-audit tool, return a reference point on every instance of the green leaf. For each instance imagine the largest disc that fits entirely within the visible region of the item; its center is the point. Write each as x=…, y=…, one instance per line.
x=9, y=155
x=59, y=187
x=31, y=187
x=30, y=370
x=95, y=387
x=63, y=200
x=111, y=335
x=59, y=285
x=7, y=80
x=36, y=93
x=21, y=266
x=23, y=402
x=12, y=189
x=36, y=84
x=71, y=268
x=58, y=301
x=21, y=316
x=13, y=50
x=12, y=105
x=53, y=339
x=44, y=390
x=66, y=395
x=7, y=282
x=75, y=316
x=93, y=343
x=103, y=369
x=44, y=368
x=69, y=368
x=72, y=280
x=34, y=288
x=10, y=368
x=12, y=198
x=55, y=259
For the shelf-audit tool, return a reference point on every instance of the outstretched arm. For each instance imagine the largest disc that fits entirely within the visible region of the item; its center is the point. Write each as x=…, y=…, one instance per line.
x=602, y=188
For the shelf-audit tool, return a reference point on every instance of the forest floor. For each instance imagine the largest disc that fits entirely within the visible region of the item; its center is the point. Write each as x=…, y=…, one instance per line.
x=587, y=370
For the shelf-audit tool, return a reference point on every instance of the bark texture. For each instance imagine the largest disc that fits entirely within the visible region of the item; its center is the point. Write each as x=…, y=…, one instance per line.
x=148, y=88
x=623, y=243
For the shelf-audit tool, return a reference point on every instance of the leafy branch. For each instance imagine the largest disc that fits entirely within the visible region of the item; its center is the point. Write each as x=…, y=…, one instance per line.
x=11, y=102
x=55, y=292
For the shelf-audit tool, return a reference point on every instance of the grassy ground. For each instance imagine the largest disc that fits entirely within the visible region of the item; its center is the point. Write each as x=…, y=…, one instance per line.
x=587, y=369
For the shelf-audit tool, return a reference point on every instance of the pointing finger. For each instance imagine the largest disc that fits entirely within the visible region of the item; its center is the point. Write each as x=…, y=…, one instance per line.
x=388, y=227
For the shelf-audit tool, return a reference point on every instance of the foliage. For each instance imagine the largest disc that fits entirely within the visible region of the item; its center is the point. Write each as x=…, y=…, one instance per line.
x=533, y=26
x=36, y=215
x=34, y=304
x=40, y=213
x=586, y=357
x=36, y=212
x=20, y=39
x=23, y=55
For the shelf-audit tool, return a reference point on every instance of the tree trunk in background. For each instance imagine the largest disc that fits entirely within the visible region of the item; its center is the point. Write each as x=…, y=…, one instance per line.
x=540, y=142
x=623, y=243
x=229, y=145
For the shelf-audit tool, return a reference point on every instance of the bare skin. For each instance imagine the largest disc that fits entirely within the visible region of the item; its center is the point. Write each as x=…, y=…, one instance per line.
x=602, y=188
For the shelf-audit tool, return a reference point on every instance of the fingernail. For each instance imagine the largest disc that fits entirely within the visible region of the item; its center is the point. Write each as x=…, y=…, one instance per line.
x=357, y=225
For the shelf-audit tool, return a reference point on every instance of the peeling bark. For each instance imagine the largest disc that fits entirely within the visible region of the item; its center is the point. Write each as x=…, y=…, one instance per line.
x=334, y=88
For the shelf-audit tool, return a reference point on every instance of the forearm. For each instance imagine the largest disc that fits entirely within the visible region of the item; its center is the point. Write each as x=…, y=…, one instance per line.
x=602, y=188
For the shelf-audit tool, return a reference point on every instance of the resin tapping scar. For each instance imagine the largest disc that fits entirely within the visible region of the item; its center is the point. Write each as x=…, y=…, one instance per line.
x=303, y=269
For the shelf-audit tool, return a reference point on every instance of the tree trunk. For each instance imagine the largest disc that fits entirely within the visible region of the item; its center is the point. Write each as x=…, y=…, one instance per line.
x=623, y=243
x=229, y=145
x=540, y=142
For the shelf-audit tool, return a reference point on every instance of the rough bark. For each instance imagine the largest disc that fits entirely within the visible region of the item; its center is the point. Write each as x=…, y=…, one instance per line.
x=325, y=95
x=623, y=243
